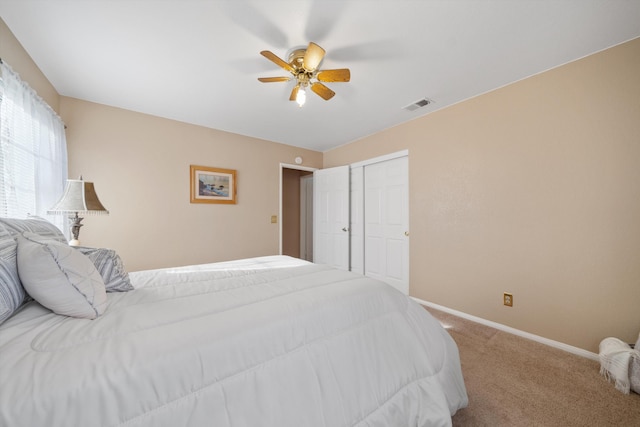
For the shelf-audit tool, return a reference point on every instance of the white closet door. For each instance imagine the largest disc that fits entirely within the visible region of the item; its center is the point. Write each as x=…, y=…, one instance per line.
x=357, y=219
x=386, y=222
x=331, y=217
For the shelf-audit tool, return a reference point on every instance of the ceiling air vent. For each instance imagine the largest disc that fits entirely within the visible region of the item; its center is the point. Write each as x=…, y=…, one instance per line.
x=418, y=104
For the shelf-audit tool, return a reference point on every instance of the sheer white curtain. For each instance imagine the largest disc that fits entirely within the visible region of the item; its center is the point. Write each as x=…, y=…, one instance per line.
x=33, y=151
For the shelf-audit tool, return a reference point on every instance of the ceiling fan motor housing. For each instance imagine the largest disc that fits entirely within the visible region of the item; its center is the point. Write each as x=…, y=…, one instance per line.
x=296, y=57
x=296, y=60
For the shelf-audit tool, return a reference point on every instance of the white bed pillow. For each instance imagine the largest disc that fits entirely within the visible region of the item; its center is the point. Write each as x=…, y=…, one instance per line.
x=60, y=278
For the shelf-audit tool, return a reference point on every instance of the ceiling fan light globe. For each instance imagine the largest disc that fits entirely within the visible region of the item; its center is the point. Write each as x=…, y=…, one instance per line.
x=301, y=96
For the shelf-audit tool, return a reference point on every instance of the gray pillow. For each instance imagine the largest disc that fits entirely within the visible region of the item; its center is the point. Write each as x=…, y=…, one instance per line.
x=60, y=278
x=12, y=294
x=34, y=224
x=110, y=266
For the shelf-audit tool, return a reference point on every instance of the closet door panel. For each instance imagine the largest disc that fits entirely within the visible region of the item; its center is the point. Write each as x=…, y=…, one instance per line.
x=356, y=228
x=386, y=220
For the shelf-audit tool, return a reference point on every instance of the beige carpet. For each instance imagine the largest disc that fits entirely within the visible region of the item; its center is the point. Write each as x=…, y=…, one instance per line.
x=513, y=381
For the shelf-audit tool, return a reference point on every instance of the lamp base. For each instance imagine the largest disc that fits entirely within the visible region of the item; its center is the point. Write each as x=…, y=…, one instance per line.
x=76, y=223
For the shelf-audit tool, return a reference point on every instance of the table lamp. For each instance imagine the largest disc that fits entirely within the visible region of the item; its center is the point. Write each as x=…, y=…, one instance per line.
x=79, y=198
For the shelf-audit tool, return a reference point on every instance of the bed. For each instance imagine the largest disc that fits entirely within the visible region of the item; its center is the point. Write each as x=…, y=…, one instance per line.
x=269, y=341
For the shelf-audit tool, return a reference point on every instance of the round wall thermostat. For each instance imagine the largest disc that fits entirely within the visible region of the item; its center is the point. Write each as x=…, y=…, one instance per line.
x=298, y=160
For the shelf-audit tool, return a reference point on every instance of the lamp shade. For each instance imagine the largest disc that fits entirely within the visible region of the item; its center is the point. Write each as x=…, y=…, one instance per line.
x=79, y=197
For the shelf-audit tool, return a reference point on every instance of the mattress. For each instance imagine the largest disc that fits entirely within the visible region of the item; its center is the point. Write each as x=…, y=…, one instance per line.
x=270, y=341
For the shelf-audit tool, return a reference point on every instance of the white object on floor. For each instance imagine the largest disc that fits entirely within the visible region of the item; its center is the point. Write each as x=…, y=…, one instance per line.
x=619, y=362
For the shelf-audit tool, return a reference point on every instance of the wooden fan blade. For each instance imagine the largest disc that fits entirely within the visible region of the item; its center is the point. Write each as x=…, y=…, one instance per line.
x=294, y=93
x=340, y=75
x=324, y=92
x=312, y=57
x=279, y=62
x=274, y=79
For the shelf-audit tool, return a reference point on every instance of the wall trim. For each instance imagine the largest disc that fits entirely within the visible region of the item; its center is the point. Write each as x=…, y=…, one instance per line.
x=556, y=344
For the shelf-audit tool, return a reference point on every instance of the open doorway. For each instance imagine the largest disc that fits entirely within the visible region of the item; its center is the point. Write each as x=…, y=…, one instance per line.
x=296, y=211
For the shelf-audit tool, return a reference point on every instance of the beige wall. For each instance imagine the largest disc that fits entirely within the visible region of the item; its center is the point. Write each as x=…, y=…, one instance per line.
x=140, y=167
x=532, y=189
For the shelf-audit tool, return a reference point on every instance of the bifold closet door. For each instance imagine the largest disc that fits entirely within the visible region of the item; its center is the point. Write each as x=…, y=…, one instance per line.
x=356, y=229
x=386, y=222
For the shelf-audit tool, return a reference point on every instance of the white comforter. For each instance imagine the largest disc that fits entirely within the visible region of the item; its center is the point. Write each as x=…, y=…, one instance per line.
x=268, y=341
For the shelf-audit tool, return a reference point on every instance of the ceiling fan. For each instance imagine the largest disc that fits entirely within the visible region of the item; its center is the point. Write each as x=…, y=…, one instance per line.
x=303, y=65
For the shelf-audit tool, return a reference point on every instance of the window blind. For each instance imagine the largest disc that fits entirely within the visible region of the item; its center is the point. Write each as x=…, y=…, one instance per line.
x=33, y=151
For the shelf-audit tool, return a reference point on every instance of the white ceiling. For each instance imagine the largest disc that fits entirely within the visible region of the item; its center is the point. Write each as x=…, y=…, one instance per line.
x=198, y=61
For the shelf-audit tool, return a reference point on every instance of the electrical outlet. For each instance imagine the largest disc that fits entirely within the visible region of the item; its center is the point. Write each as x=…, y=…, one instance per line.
x=508, y=299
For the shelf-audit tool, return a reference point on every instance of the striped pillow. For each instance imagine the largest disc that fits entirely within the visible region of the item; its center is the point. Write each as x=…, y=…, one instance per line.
x=12, y=294
x=34, y=224
x=110, y=267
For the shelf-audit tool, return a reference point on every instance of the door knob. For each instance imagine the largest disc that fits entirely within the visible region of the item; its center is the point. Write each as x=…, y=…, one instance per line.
x=406, y=233
x=345, y=229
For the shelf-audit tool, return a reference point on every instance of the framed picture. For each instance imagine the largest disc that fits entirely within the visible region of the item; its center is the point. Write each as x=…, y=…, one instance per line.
x=213, y=185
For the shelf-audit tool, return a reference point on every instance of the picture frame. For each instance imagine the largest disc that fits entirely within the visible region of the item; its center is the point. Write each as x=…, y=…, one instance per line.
x=213, y=185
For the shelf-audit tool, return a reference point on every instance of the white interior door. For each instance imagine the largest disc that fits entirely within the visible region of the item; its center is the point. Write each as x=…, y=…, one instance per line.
x=331, y=217
x=386, y=222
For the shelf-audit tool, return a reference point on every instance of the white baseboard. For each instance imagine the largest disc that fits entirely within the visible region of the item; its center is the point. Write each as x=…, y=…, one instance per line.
x=557, y=344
